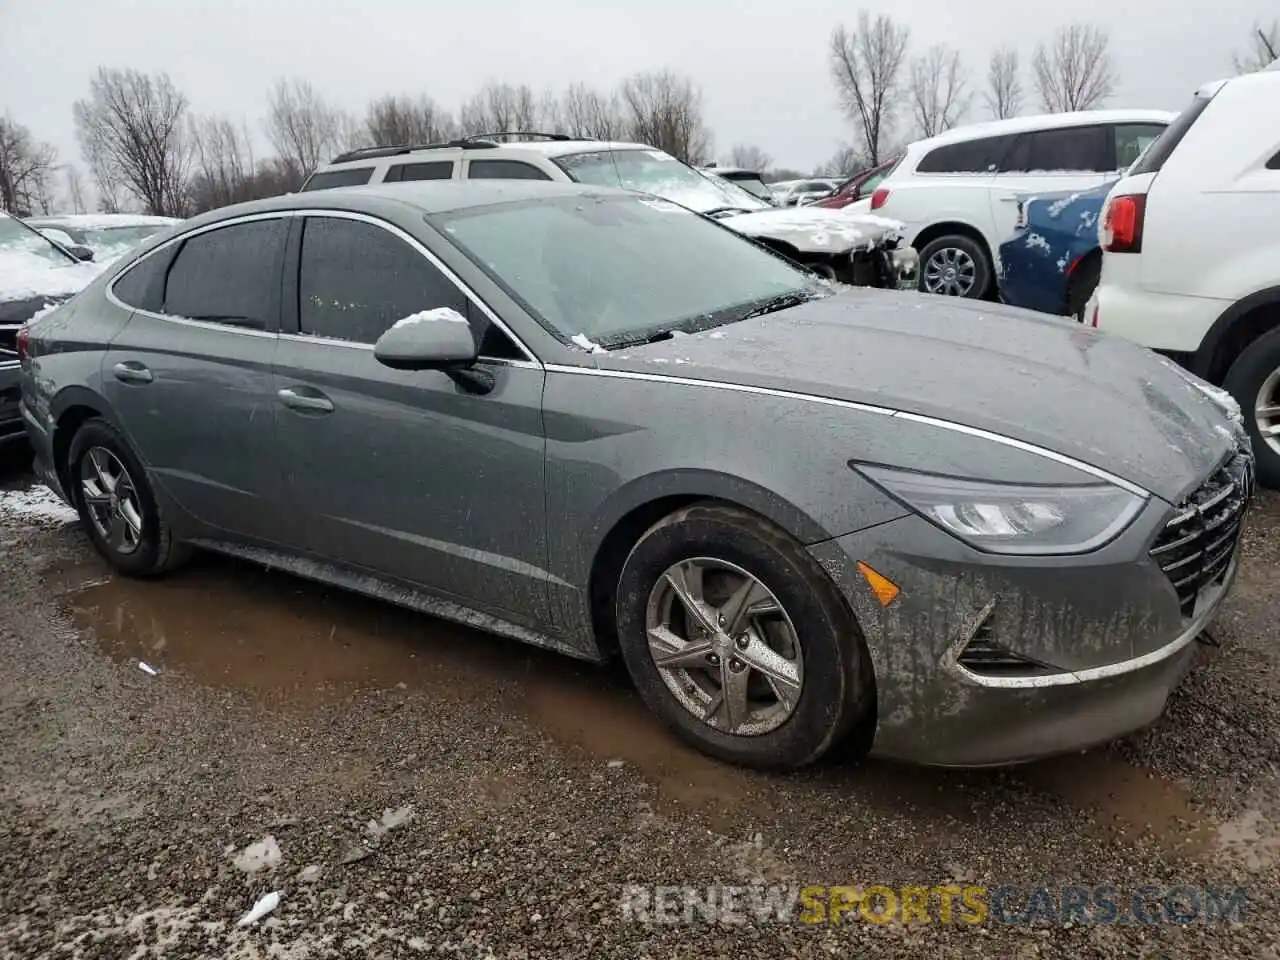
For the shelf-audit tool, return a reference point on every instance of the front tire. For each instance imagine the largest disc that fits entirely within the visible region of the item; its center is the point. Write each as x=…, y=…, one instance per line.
x=1254, y=380
x=117, y=504
x=955, y=266
x=737, y=638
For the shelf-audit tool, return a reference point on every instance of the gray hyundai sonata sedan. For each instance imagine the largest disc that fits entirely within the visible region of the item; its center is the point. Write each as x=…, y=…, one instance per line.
x=941, y=530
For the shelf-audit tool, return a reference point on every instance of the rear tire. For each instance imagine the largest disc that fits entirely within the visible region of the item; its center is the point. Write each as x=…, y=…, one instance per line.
x=1254, y=380
x=117, y=505
x=816, y=683
x=955, y=266
x=1083, y=282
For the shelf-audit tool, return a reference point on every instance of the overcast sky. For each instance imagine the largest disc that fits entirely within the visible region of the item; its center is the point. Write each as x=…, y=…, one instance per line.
x=762, y=66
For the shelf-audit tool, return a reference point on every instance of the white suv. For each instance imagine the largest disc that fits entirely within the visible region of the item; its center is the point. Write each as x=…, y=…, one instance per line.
x=849, y=247
x=957, y=193
x=1191, y=250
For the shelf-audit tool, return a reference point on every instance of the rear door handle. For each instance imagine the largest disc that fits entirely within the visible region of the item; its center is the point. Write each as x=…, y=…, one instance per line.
x=130, y=371
x=314, y=402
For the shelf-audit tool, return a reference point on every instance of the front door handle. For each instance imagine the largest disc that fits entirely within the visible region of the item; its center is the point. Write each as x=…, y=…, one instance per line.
x=130, y=371
x=310, y=402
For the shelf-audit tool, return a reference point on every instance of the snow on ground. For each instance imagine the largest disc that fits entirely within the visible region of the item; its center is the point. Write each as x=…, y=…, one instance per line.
x=35, y=503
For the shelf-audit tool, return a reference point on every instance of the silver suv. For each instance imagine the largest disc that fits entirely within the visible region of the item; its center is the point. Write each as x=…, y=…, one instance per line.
x=850, y=248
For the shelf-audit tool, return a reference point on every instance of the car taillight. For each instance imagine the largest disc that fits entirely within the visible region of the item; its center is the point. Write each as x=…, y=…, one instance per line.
x=1122, y=224
x=24, y=343
x=879, y=198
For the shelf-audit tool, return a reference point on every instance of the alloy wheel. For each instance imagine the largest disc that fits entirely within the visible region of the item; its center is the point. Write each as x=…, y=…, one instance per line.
x=724, y=646
x=950, y=272
x=1267, y=410
x=111, y=499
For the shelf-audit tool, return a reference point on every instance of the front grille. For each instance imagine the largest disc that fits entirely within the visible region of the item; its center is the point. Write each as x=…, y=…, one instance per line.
x=1195, y=548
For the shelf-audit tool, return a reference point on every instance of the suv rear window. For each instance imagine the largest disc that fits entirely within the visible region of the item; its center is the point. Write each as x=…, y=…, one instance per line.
x=972, y=156
x=435, y=170
x=350, y=177
x=1158, y=152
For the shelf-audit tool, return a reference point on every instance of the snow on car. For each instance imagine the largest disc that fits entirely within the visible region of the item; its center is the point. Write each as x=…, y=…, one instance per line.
x=109, y=235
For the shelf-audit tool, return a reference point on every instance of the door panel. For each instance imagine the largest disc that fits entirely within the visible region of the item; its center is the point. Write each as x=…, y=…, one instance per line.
x=409, y=475
x=190, y=374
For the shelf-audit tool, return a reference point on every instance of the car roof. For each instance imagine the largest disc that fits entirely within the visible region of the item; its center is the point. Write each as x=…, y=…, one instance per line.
x=428, y=196
x=1042, y=121
x=482, y=149
x=104, y=221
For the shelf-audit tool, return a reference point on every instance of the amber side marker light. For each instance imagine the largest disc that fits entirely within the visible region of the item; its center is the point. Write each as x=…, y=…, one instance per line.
x=884, y=588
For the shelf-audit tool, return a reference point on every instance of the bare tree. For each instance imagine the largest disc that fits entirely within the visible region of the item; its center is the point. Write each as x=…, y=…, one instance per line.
x=584, y=112
x=392, y=121
x=223, y=163
x=939, y=94
x=845, y=162
x=1263, y=49
x=1075, y=72
x=749, y=157
x=132, y=130
x=867, y=65
x=1004, y=84
x=664, y=110
x=75, y=189
x=304, y=129
x=499, y=108
x=25, y=165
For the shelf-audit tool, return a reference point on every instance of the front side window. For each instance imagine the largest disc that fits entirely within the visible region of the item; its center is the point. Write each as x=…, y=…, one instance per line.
x=1132, y=140
x=504, y=170
x=356, y=279
x=229, y=275
x=572, y=262
x=1067, y=149
x=350, y=177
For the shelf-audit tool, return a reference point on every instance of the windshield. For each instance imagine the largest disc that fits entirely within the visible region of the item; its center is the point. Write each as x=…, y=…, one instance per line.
x=652, y=171
x=17, y=237
x=618, y=269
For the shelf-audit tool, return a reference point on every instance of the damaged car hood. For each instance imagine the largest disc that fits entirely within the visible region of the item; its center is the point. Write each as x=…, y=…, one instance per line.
x=816, y=229
x=1049, y=382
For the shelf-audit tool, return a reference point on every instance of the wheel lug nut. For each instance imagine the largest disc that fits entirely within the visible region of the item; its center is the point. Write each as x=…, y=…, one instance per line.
x=742, y=641
x=720, y=620
x=737, y=666
x=713, y=659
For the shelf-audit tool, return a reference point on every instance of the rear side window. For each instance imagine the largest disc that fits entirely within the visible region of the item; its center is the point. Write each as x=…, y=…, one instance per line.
x=1274, y=162
x=350, y=177
x=504, y=170
x=438, y=170
x=142, y=287
x=972, y=156
x=356, y=279
x=1154, y=159
x=1066, y=148
x=1132, y=139
x=229, y=275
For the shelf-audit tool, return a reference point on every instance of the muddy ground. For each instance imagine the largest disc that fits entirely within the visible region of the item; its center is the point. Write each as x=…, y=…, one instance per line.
x=515, y=795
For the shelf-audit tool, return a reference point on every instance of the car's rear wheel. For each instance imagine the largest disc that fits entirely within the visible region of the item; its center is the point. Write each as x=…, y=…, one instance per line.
x=1254, y=380
x=1083, y=282
x=739, y=640
x=955, y=266
x=117, y=505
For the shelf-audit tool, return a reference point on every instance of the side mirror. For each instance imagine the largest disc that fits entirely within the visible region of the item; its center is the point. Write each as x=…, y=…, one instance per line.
x=80, y=253
x=439, y=339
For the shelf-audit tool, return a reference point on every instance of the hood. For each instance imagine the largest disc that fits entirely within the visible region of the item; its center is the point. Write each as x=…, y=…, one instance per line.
x=1045, y=381
x=27, y=276
x=816, y=229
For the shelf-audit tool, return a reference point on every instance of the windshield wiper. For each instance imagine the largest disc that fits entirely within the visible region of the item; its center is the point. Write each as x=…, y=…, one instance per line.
x=722, y=211
x=653, y=336
x=781, y=302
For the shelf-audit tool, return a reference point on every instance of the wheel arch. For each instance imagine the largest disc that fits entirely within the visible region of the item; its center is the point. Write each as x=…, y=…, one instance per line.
x=1238, y=326
x=948, y=227
x=68, y=410
x=633, y=509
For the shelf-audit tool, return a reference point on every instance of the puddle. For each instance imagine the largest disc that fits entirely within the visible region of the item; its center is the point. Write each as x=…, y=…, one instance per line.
x=1126, y=799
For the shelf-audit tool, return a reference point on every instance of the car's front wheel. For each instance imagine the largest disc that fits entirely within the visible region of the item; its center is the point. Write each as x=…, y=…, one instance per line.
x=117, y=505
x=955, y=266
x=739, y=640
x=1254, y=380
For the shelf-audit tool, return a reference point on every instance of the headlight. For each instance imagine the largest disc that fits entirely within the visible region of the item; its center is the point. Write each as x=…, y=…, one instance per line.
x=1008, y=518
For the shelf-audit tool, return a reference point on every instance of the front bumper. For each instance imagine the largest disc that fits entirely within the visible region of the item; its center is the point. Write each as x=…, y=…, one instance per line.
x=1096, y=643
x=903, y=267
x=11, y=427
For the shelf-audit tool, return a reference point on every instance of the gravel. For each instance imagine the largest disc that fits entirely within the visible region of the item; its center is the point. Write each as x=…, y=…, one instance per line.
x=408, y=788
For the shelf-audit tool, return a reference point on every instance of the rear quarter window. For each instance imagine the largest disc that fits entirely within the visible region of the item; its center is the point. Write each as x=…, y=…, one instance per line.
x=350, y=177
x=1155, y=156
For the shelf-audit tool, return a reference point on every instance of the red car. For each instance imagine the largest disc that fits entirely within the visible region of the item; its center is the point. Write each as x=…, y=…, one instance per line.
x=859, y=186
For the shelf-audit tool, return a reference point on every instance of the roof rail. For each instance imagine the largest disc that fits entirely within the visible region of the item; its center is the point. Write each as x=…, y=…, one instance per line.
x=502, y=135
x=370, y=153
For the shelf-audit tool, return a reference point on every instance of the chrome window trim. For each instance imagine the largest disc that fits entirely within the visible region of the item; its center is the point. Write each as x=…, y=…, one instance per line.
x=977, y=432
x=530, y=360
